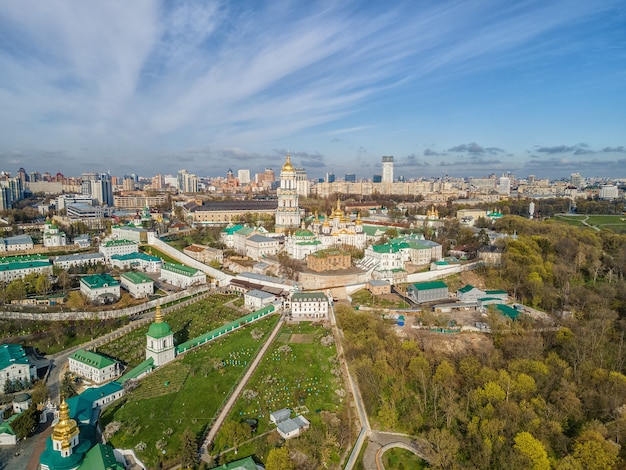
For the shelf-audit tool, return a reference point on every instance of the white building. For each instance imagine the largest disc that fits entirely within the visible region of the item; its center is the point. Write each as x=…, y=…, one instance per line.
x=608, y=192
x=17, y=267
x=309, y=306
x=259, y=247
x=243, y=176
x=100, y=288
x=78, y=259
x=93, y=366
x=257, y=299
x=52, y=236
x=14, y=365
x=127, y=232
x=16, y=243
x=118, y=247
x=337, y=229
x=181, y=276
x=137, y=260
x=137, y=284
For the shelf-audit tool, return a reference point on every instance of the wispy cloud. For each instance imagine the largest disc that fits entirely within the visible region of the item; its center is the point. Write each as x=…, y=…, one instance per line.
x=147, y=79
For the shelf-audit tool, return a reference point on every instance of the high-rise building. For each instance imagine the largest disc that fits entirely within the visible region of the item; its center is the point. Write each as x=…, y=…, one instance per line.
x=330, y=177
x=608, y=192
x=243, y=176
x=377, y=179
x=387, y=169
x=158, y=182
x=5, y=197
x=35, y=176
x=187, y=182
x=504, y=185
x=287, y=212
x=350, y=178
x=303, y=185
x=577, y=180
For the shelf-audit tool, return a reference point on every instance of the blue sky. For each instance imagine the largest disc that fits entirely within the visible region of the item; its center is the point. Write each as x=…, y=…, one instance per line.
x=446, y=87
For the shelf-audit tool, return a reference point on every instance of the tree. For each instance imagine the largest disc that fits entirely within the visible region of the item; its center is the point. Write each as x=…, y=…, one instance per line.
x=67, y=386
x=43, y=284
x=188, y=449
x=278, y=459
x=16, y=290
x=533, y=450
x=24, y=425
x=593, y=451
x=64, y=280
x=235, y=433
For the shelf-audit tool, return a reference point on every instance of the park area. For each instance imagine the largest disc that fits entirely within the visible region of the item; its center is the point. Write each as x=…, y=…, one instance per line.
x=366, y=298
x=616, y=223
x=187, y=322
x=183, y=395
x=300, y=371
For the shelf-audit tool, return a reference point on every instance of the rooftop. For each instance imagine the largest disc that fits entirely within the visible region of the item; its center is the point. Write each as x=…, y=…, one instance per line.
x=430, y=285
x=308, y=297
x=180, y=269
x=92, y=359
x=12, y=354
x=98, y=281
x=136, y=278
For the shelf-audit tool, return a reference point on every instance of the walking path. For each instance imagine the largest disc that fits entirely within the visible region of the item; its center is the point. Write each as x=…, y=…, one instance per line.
x=235, y=395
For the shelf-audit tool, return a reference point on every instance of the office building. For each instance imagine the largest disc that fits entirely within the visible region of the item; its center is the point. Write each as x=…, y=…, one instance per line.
x=387, y=176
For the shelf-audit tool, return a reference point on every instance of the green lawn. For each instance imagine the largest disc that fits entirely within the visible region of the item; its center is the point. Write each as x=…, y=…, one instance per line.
x=187, y=323
x=614, y=222
x=156, y=252
x=292, y=375
x=186, y=393
x=401, y=459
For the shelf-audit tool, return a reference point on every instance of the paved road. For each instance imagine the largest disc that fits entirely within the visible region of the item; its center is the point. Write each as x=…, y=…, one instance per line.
x=379, y=442
x=235, y=395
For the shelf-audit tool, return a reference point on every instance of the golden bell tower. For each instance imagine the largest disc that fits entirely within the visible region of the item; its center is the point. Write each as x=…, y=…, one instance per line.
x=65, y=433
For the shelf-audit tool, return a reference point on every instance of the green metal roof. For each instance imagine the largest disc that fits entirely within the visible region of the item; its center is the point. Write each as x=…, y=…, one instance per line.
x=159, y=330
x=119, y=243
x=5, y=426
x=466, y=288
x=92, y=359
x=137, y=255
x=495, y=292
x=180, y=269
x=98, y=281
x=430, y=285
x=23, y=258
x=303, y=233
x=233, y=229
x=12, y=354
x=308, y=296
x=24, y=265
x=101, y=457
x=136, y=278
x=146, y=365
x=242, y=464
x=507, y=311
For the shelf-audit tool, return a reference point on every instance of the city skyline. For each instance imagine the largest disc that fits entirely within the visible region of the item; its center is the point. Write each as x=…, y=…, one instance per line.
x=454, y=88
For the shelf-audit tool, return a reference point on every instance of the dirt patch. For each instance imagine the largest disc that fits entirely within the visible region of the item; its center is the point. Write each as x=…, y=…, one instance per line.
x=453, y=344
x=283, y=338
x=470, y=277
x=305, y=339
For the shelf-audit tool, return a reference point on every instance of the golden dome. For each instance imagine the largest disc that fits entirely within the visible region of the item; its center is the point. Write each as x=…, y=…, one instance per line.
x=358, y=219
x=338, y=212
x=66, y=428
x=288, y=166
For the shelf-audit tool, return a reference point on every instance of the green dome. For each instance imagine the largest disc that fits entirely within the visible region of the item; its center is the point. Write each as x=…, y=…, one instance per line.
x=159, y=330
